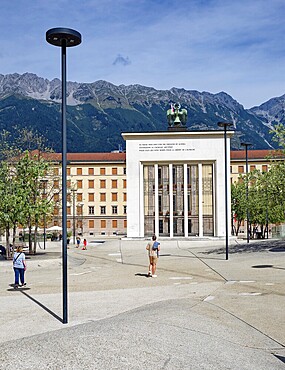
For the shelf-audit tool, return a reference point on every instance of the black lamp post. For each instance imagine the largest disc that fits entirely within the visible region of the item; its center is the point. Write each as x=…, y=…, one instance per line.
x=64, y=37
x=73, y=213
x=44, y=183
x=246, y=145
x=225, y=126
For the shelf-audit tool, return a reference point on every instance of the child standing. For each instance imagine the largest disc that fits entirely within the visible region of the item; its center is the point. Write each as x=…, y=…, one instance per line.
x=84, y=244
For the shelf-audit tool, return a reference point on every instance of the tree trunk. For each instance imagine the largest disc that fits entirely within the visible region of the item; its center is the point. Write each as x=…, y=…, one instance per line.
x=35, y=239
x=8, y=251
x=30, y=239
x=238, y=227
x=14, y=235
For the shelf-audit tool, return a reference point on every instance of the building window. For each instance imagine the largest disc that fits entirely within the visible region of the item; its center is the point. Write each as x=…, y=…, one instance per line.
x=79, y=171
x=103, y=210
x=125, y=224
x=102, y=171
x=79, y=184
x=68, y=171
x=68, y=184
x=91, y=224
x=68, y=223
x=102, y=184
x=124, y=184
x=125, y=171
x=115, y=210
x=56, y=197
x=252, y=167
x=56, y=211
x=125, y=197
x=91, y=210
x=91, y=184
x=114, y=184
x=114, y=224
x=68, y=210
x=103, y=224
x=68, y=198
x=240, y=169
x=56, y=171
x=114, y=171
x=90, y=171
x=79, y=209
x=102, y=197
x=90, y=197
x=114, y=197
x=79, y=197
x=125, y=209
x=264, y=168
x=231, y=169
x=56, y=184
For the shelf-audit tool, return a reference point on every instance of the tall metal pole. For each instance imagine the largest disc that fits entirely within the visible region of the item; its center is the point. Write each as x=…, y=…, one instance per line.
x=44, y=184
x=246, y=145
x=64, y=37
x=73, y=214
x=225, y=125
x=64, y=181
x=45, y=218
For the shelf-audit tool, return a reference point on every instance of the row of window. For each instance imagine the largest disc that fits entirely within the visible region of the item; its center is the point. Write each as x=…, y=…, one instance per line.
x=241, y=169
x=103, y=224
x=91, y=184
x=91, y=210
x=103, y=196
x=91, y=197
x=91, y=171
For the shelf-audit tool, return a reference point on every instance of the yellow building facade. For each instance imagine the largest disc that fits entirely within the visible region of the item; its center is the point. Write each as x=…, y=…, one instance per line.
x=97, y=193
x=97, y=189
x=257, y=160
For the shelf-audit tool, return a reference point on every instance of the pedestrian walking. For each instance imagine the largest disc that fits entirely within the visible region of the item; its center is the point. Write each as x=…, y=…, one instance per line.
x=78, y=240
x=84, y=244
x=19, y=266
x=153, y=248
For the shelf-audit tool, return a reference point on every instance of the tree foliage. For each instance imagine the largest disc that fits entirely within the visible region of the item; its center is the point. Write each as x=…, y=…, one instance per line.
x=21, y=193
x=266, y=191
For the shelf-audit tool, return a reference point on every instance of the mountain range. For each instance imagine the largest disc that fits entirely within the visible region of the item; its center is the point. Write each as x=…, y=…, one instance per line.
x=98, y=112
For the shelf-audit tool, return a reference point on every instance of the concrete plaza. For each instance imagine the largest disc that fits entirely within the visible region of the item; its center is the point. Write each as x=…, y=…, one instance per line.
x=201, y=312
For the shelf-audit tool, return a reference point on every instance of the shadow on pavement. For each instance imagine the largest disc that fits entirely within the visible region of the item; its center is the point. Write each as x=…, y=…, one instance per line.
x=41, y=305
x=267, y=267
x=140, y=274
x=261, y=246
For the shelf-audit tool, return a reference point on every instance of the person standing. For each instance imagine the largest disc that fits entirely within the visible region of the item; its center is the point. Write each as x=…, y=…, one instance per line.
x=19, y=265
x=84, y=244
x=78, y=240
x=153, y=248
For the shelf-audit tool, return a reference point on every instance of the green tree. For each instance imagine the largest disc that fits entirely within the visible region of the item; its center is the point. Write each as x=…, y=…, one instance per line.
x=21, y=172
x=238, y=201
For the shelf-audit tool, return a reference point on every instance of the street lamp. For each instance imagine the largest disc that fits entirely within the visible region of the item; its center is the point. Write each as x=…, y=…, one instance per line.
x=44, y=183
x=225, y=126
x=73, y=213
x=63, y=37
x=80, y=212
x=246, y=145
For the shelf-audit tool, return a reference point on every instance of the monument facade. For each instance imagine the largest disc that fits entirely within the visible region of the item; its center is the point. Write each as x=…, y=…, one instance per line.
x=176, y=181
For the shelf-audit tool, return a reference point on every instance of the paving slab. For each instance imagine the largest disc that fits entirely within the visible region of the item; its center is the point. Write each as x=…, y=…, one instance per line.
x=202, y=312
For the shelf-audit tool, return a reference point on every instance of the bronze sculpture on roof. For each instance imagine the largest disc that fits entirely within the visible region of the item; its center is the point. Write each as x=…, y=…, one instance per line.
x=176, y=117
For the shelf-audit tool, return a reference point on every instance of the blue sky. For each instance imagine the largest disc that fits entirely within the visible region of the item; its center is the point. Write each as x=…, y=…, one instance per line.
x=207, y=45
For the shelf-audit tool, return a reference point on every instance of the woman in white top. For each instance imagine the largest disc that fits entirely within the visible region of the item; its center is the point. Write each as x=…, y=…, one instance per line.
x=19, y=265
